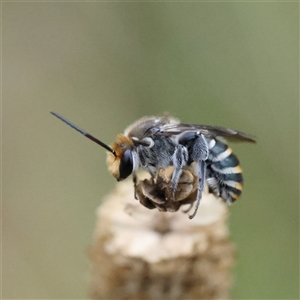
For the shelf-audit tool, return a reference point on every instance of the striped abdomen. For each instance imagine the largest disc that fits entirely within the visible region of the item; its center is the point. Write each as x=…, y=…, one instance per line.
x=224, y=174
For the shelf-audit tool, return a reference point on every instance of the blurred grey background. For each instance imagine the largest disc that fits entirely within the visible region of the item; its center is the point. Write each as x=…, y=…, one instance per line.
x=104, y=65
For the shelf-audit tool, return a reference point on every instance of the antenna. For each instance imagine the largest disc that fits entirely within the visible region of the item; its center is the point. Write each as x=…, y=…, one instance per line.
x=89, y=136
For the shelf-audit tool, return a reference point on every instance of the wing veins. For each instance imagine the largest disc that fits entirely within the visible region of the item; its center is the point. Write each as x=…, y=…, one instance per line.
x=217, y=131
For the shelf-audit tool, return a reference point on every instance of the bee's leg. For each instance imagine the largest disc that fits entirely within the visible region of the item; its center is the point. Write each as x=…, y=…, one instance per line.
x=134, y=179
x=188, y=209
x=140, y=196
x=174, y=182
x=200, y=150
x=180, y=158
x=201, y=176
x=146, y=201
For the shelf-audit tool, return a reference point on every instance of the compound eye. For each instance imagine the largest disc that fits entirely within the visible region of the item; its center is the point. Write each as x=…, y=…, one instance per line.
x=126, y=164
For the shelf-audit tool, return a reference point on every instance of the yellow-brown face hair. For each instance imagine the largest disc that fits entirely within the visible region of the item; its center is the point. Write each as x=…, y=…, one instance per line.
x=120, y=165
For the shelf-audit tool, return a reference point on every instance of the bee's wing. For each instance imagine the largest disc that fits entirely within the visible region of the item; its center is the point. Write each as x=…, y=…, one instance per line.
x=149, y=126
x=230, y=134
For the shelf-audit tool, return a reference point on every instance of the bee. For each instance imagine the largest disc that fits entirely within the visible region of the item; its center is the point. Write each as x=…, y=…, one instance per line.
x=158, y=142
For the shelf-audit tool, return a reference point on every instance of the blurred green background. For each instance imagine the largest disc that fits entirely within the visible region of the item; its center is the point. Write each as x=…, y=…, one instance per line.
x=104, y=65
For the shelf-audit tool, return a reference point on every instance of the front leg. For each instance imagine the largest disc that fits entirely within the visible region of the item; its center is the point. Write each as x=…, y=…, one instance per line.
x=180, y=159
x=201, y=176
x=199, y=154
x=134, y=179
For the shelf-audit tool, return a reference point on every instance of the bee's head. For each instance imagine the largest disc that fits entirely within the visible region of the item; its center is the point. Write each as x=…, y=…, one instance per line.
x=121, y=162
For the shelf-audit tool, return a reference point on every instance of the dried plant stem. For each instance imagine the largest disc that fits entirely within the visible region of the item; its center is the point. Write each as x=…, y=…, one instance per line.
x=147, y=254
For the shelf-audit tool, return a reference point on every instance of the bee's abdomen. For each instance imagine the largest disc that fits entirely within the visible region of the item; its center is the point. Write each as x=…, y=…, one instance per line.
x=224, y=174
